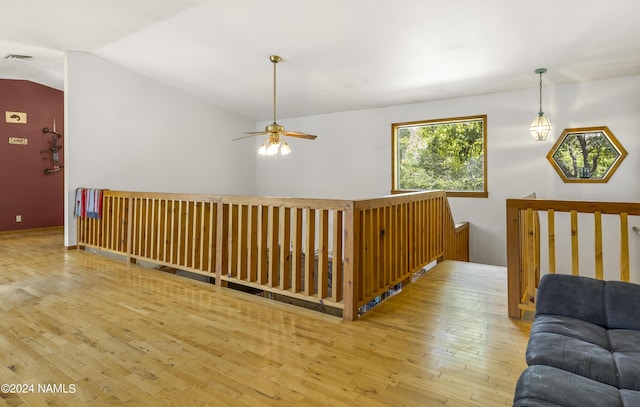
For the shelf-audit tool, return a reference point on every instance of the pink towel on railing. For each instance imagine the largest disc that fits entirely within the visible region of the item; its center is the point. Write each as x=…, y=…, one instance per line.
x=89, y=203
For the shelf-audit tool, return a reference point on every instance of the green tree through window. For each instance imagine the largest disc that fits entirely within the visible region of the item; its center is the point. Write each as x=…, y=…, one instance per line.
x=587, y=154
x=445, y=154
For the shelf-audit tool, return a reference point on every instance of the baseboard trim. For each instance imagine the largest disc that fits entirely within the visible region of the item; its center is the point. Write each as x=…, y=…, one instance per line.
x=3, y=232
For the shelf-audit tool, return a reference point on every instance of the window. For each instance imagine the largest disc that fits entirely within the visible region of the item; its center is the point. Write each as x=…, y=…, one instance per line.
x=587, y=154
x=445, y=154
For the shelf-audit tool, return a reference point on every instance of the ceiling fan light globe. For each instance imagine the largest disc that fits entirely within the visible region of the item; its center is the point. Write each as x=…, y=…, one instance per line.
x=273, y=149
x=285, y=149
x=263, y=149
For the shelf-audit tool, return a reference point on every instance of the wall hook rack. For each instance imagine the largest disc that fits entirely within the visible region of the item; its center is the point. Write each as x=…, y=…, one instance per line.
x=47, y=130
x=53, y=150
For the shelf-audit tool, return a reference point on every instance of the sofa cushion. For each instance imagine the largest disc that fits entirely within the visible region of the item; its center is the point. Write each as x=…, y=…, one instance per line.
x=624, y=340
x=571, y=327
x=630, y=398
x=609, y=356
x=541, y=385
x=622, y=305
x=625, y=345
x=572, y=296
x=573, y=355
x=628, y=368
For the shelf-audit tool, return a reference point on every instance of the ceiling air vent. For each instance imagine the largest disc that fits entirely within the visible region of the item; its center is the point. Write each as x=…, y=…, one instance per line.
x=19, y=57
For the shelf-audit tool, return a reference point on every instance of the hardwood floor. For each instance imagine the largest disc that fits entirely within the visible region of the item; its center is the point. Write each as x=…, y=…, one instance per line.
x=106, y=332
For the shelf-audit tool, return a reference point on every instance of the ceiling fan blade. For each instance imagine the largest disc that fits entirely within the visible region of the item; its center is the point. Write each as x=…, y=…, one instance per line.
x=299, y=135
x=251, y=134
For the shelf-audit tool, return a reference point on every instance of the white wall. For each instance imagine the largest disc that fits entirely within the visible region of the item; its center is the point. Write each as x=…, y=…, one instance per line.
x=126, y=132
x=351, y=158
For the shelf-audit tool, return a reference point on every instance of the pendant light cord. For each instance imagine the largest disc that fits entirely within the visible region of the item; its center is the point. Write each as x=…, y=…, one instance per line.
x=540, y=112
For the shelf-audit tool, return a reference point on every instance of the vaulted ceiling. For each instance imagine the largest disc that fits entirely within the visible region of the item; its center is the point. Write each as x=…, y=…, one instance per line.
x=338, y=55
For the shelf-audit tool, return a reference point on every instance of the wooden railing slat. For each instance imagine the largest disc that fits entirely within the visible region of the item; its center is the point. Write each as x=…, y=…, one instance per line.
x=253, y=253
x=387, y=251
x=195, y=235
x=180, y=240
x=285, y=248
x=116, y=228
x=273, y=243
x=172, y=232
x=575, y=259
x=337, y=252
x=297, y=265
x=161, y=229
x=221, y=254
x=551, y=232
x=323, y=255
x=147, y=224
x=309, y=275
x=242, y=249
x=368, y=259
x=375, y=252
x=624, y=247
x=212, y=236
x=233, y=241
x=263, y=249
x=597, y=218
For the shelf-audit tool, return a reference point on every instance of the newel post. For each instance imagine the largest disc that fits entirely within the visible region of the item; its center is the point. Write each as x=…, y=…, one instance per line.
x=513, y=260
x=351, y=263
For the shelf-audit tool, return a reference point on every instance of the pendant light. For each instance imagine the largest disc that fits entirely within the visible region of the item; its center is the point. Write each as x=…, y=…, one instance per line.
x=540, y=127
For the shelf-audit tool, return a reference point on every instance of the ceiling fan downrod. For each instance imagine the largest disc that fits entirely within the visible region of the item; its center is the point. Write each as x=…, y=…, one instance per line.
x=275, y=59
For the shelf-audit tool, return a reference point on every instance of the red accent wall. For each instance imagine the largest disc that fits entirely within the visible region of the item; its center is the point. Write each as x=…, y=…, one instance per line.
x=25, y=188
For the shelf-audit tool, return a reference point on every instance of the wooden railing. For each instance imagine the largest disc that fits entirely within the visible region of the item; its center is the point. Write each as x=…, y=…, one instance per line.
x=524, y=265
x=338, y=253
x=457, y=242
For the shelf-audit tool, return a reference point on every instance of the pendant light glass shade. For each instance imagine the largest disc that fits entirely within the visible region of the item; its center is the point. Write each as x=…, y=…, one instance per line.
x=541, y=126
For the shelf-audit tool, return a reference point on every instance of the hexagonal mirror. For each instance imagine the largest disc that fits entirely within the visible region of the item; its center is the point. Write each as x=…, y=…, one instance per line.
x=589, y=154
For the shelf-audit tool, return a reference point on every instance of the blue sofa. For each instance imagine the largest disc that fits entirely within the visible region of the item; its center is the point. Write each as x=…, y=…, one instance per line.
x=584, y=346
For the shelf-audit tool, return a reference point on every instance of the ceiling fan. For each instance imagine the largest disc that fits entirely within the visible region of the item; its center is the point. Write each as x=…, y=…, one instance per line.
x=276, y=132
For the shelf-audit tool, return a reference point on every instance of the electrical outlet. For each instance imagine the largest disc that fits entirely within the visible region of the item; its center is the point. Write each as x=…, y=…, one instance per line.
x=18, y=218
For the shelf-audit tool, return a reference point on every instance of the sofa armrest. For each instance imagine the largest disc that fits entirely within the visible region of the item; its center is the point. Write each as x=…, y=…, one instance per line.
x=572, y=296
